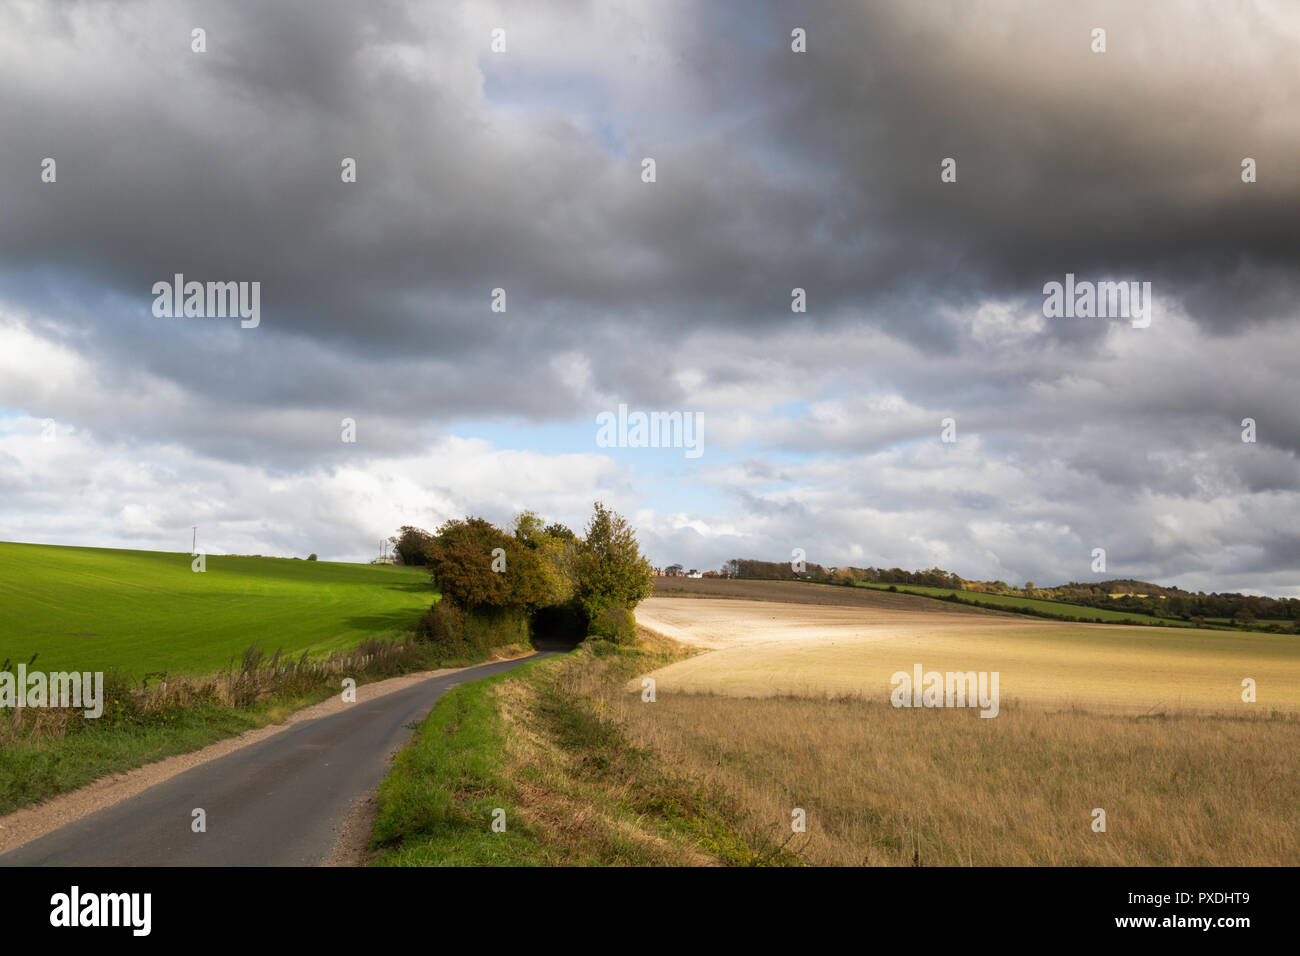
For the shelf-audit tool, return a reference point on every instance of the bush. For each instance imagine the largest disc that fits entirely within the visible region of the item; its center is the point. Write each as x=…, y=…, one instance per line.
x=464, y=635
x=612, y=623
x=504, y=627
x=441, y=625
x=312, y=556
x=410, y=545
x=461, y=559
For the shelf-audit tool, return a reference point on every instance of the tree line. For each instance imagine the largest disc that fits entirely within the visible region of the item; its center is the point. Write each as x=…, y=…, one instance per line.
x=1114, y=595
x=807, y=571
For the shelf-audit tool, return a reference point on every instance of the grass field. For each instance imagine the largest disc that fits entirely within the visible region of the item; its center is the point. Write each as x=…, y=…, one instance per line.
x=91, y=609
x=773, y=697
x=1048, y=608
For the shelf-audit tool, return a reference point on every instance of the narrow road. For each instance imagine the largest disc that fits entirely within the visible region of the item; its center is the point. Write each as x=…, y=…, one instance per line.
x=279, y=802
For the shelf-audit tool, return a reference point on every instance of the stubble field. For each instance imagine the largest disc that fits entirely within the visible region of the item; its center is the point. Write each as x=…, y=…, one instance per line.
x=786, y=706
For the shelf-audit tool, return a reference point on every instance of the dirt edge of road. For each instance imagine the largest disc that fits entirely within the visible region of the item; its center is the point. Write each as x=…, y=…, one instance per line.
x=352, y=841
x=29, y=823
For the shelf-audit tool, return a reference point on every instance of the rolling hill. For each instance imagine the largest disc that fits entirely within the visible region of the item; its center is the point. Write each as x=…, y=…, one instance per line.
x=147, y=611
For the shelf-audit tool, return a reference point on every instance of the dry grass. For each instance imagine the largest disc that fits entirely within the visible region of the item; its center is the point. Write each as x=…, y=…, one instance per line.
x=254, y=678
x=541, y=744
x=944, y=787
x=792, y=710
x=576, y=780
x=557, y=795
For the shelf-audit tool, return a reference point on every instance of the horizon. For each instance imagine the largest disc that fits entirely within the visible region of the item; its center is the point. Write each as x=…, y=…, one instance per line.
x=657, y=567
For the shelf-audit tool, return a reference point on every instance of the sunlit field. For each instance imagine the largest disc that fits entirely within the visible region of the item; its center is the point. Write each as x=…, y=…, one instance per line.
x=761, y=648
x=787, y=706
x=91, y=609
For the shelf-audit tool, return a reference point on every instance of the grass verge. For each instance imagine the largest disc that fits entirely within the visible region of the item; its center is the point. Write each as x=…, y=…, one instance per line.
x=543, y=746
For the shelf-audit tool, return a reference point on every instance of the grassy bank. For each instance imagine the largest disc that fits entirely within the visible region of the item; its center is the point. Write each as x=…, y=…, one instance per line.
x=542, y=744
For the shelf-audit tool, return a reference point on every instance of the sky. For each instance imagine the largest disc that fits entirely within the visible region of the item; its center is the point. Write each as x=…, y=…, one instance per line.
x=522, y=168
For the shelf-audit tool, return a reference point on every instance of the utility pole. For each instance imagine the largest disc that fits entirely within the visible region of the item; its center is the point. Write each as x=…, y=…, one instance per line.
x=194, y=544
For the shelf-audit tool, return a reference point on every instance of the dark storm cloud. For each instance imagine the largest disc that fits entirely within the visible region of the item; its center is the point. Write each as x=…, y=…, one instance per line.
x=818, y=170
x=1124, y=163
x=775, y=170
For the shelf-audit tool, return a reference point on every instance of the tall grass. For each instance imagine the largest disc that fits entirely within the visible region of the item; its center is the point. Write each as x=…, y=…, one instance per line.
x=885, y=786
x=254, y=677
x=540, y=744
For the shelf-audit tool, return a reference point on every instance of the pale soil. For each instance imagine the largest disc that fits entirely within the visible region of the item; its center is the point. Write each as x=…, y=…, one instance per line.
x=716, y=623
x=25, y=825
x=764, y=648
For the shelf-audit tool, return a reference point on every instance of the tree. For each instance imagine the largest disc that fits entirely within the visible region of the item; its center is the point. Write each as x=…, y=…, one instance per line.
x=610, y=567
x=411, y=544
x=460, y=559
x=528, y=529
x=557, y=550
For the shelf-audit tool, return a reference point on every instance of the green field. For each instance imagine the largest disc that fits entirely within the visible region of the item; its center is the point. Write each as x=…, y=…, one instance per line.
x=146, y=611
x=1057, y=609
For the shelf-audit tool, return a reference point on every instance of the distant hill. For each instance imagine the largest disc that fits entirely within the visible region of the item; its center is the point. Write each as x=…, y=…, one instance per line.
x=1116, y=598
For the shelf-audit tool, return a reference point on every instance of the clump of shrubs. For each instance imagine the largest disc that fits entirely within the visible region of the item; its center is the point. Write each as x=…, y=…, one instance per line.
x=500, y=588
x=613, y=623
x=461, y=635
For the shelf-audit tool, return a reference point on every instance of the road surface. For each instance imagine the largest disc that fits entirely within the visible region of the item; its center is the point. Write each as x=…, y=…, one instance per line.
x=280, y=802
